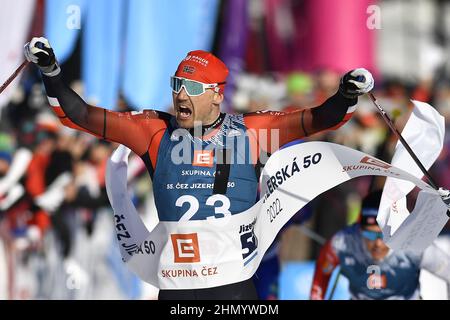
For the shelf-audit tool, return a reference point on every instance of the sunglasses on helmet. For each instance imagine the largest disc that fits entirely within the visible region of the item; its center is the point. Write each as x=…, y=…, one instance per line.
x=193, y=88
x=372, y=235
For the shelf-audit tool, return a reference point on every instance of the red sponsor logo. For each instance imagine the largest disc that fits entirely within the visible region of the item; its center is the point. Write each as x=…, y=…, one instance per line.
x=203, y=158
x=185, y=248
x=376, y=281
x=375, y=162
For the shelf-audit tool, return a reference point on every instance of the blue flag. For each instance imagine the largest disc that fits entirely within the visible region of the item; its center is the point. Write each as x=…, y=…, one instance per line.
x=102, y=51
x=159, y=35
x=63, y=21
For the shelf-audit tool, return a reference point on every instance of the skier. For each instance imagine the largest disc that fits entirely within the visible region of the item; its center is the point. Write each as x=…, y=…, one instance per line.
x=374, y=270
x=199, y=175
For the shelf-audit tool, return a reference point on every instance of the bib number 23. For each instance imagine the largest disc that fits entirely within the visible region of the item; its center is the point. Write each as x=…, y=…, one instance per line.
x=221, y=210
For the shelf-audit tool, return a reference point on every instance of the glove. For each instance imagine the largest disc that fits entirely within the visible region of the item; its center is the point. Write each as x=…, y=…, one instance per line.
x=355, y=83
x=39, y=52
x=445, y=196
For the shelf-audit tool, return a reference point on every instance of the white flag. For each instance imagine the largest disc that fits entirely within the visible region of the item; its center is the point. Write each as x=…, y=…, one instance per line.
x=424, y=132
x=15, y=20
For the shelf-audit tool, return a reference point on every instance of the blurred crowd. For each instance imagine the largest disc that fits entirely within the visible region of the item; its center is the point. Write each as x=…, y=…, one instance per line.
x=56, y=228
x=56, y=232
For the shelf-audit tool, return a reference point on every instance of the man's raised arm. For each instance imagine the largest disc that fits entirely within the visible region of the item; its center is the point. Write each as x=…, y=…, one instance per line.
x=331, y=114
x=132, y=129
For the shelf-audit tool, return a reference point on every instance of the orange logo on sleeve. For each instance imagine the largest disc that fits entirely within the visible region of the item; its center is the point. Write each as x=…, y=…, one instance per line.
x=185, y=248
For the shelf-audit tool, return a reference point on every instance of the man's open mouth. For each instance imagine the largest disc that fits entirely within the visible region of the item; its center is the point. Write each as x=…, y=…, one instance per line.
x=184, y=112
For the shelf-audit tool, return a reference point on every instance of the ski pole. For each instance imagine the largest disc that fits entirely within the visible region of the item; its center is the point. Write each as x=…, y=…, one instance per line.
x=13, y=76
x=402, y=140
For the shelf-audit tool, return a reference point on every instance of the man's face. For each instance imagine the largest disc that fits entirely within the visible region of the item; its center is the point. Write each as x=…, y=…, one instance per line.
x=377, y=248
x=203, y=108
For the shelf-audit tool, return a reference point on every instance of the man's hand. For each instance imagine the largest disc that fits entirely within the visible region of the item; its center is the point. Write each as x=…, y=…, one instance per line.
x=355, y=83
x=39, y=52
x=445, y=196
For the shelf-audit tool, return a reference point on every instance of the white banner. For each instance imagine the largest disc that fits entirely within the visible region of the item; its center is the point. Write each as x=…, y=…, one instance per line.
x=15, y=20
x=214, y=252
x=424, y=132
